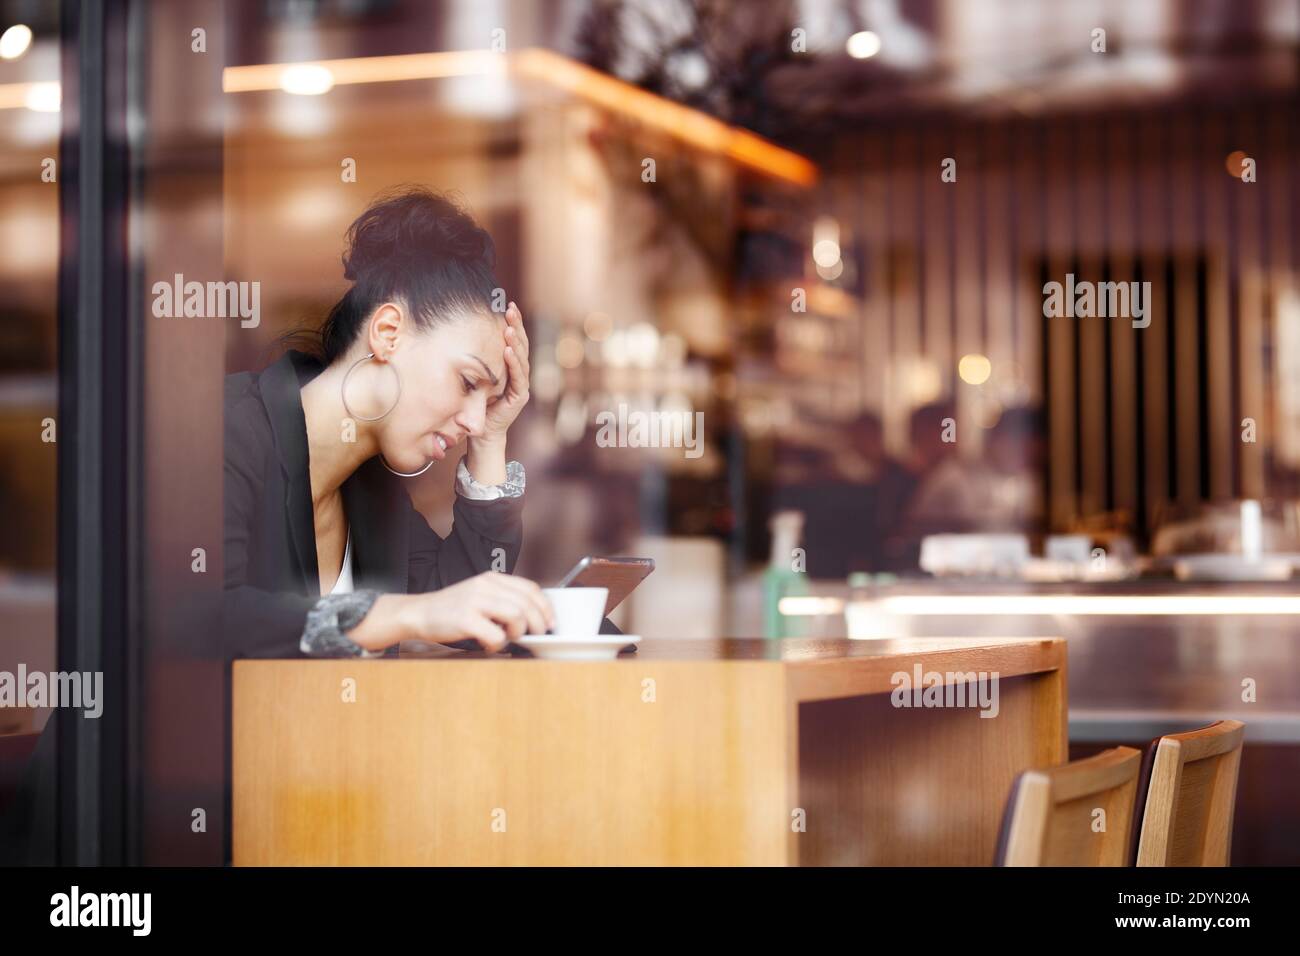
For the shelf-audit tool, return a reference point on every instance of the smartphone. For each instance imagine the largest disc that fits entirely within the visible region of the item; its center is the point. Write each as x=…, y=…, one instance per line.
x=620, y=575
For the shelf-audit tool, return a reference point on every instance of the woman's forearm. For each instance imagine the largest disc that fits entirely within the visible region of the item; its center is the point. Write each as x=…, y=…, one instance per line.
x=387, y=623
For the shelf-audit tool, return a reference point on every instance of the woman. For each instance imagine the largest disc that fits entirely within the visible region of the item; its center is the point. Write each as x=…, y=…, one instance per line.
x=324, y=553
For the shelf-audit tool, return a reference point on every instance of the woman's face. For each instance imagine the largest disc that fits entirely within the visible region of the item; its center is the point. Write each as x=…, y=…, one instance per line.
x=449, y=375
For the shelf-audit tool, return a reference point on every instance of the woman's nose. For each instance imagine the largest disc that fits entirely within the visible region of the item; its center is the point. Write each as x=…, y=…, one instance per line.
x=472, y=418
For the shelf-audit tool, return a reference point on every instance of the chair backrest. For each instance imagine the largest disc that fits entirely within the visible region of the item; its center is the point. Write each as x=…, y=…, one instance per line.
x=1187, y=817
x=1078, y=814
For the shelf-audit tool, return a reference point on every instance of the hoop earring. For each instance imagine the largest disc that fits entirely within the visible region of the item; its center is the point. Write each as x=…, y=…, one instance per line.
x=343, y=392
x=405, y=474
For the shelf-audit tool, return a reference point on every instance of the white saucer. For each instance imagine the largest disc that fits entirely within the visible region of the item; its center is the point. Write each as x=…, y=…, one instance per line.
x=589, y=647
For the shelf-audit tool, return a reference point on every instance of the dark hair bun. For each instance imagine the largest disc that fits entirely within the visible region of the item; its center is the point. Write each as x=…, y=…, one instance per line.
x=415, y=246
x=412, y=225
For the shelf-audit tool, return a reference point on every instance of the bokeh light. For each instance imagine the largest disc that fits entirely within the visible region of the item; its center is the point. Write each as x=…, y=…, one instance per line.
x=974, y=369
x=15, y=41
x=863, y=45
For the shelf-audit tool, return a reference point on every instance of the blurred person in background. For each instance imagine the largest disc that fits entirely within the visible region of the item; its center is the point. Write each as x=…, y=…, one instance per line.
x=999, y=492
x=930, y=426
x=889, y=479
x=927, y=453
x=849, y=492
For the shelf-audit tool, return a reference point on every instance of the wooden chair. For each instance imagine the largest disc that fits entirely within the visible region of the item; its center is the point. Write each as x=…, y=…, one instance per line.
x=1189, y=802
x=1051, y=816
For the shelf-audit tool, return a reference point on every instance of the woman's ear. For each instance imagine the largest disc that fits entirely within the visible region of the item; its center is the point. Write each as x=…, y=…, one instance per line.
x=386, y=326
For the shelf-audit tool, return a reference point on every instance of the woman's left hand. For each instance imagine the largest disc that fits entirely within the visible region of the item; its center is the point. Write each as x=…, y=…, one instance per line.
x=502, y=413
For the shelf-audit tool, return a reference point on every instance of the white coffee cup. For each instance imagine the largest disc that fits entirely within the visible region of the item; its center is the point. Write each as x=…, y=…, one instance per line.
x=578, y=611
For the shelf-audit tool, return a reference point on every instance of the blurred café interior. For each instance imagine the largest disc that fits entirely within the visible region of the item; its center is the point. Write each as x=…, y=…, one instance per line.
x=828, y=226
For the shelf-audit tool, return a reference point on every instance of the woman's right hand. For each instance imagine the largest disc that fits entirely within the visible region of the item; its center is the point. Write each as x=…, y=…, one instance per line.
x=491, y=608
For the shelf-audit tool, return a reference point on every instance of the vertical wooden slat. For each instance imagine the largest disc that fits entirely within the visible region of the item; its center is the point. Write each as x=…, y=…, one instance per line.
x=1060, y=331
x=1283, y=266
x=1222, y=434
x=996, y=239
x=908, y=247
x=1154, y=242
x=1092, y=332
x=1120, y=170
x=1184, y=415
x=966, y=276
x=934, y=251
x=1244, y=206
x=895, y=400
x=1028, y=194
x=847, y=397
x=870, y=209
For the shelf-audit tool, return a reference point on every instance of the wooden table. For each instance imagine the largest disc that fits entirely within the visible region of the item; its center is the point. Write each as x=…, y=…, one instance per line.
x=741, y=751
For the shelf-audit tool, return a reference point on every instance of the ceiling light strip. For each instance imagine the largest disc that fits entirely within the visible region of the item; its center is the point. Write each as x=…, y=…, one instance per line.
x=577, y=79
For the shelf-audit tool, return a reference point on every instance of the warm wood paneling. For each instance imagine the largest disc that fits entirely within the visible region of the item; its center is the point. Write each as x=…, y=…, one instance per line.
x=1138, y=418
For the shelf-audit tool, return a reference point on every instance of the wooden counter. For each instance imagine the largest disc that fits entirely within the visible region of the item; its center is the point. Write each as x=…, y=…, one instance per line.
x=739, y=751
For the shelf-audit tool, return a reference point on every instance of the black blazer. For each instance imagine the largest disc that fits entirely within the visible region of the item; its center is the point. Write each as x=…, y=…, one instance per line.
x=271, y=575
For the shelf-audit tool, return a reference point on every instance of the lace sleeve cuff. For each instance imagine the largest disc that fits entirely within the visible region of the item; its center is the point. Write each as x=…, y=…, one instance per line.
x=333, y=614
x=512, y=487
